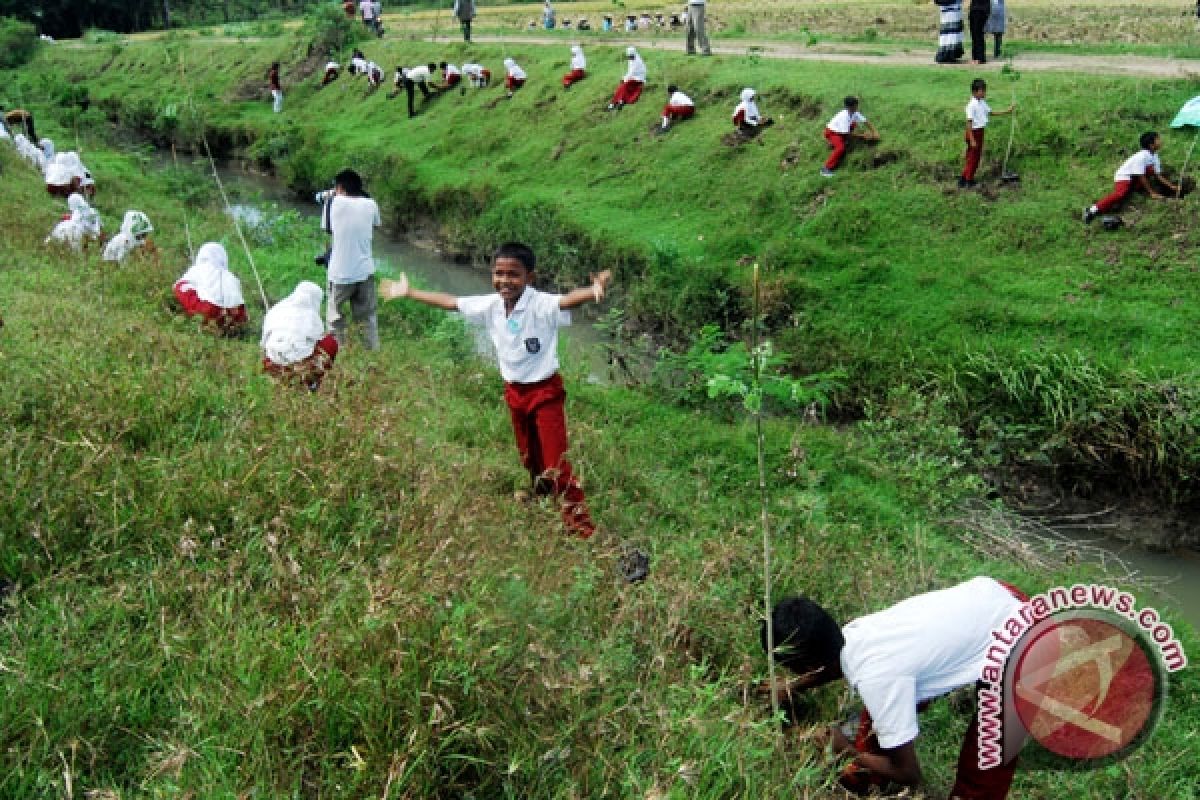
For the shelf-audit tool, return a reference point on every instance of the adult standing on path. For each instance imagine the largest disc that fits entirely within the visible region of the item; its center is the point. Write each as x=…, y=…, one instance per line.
x=977, y=18
x=353, y=216
x=276, y=88
x=995, y=26
x=465, y=11
x=950, y=32
x=695, y=28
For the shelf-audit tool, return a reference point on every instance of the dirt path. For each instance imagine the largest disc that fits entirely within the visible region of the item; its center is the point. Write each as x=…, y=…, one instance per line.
x=883, y=55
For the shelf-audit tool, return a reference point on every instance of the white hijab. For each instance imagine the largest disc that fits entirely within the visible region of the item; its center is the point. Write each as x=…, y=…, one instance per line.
x=47, y=146
x=292, y=328
x=748, y=106
x=636, y=71
x=83, y=215
x=135, y=226
x=211, y=278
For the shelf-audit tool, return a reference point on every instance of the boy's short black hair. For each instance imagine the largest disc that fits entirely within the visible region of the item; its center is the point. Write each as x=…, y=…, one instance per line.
x=431, y=66
x=850, y=102
x=977, y=84
x=521, y=252
x=1147, y=139
x=442, y=65
x=806, y=636
x=672, y=88
x=350, y=181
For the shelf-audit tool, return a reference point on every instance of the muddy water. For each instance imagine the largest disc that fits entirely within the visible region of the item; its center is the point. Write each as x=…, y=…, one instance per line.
x=581, y=345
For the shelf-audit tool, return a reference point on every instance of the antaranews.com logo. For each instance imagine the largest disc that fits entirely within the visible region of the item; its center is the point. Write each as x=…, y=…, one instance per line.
x=1081, y=670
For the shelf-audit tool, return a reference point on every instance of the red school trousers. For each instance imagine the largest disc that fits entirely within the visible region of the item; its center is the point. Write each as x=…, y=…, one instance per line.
x=1121, y=190
x=974, y=154
x=540, y=426
x=838, y=142
x=574, y=76
x=512, y=84
x=226, y=320
x=678, y=112
x=627, y=92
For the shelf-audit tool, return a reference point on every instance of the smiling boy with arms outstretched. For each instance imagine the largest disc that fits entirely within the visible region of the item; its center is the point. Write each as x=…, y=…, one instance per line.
x=896, y=660
x=523, y=324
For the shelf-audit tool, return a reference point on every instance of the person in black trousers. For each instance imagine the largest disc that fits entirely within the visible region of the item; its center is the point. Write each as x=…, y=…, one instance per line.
x=977, y=18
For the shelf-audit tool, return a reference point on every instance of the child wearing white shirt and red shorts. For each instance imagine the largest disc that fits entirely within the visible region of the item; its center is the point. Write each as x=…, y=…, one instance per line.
x=1142, y=167
x=897, y=660
x=523, y=324
x=840, y=129
x=978, y=112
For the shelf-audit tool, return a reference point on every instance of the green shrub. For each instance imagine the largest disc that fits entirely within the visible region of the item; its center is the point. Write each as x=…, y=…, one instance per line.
x=329, y=30
x=18, y=42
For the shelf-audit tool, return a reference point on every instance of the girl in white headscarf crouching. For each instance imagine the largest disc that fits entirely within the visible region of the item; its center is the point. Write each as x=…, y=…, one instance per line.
x=296, y=348
x=748, y=120
x=208, y=290
x=80, y=227
x=135, y=233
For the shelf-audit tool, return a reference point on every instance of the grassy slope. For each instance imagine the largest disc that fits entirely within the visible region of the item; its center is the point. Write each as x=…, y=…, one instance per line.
x=226, y=588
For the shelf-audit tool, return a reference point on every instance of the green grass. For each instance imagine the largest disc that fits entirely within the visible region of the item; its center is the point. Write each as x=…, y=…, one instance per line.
x=226, y=588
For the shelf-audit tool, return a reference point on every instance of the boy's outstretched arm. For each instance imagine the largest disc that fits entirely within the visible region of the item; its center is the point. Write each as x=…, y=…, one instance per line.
x=587, y=294
x=391, y=290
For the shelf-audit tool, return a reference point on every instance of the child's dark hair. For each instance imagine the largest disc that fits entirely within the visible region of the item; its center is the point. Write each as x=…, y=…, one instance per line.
x=521, y=252
x=1147, y=139
x=977, y=84
x=806, y=637
x=351, y=182
x=432, y=66
x=672, y=89
x=442, y=65
x=851, y=102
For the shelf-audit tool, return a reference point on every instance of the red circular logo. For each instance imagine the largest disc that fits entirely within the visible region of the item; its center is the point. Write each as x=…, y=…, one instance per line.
x=1084, y=688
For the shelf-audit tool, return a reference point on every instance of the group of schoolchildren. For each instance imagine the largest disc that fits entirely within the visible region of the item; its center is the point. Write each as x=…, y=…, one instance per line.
x=632, y=23
x=896, y=660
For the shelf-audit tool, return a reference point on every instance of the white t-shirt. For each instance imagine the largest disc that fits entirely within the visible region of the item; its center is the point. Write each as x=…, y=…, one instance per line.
x=516, y=72
x=450, y=69
x=922, y=648
x=1137, y=164
x=526, y=341
x=679, y=100
x=578, y=61
x=978, y=111
x=368, y=9
x=418, y=74
x=473, y=70
x=352, y=220
x=843, y=122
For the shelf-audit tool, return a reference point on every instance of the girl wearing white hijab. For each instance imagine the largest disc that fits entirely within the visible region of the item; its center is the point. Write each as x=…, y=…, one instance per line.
x=66, y=174
x=134, y=230
x=515, y=76
x=294, y=342
x=746, y=116
x=29, y=151
x=81, y=226
x=209, y=290
x=630, y=88
x=578, y=67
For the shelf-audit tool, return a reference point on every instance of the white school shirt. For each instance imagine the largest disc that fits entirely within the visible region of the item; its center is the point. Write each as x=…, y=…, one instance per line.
x=922, y=648
x=368, y=9
x=450, y=69
x=352, y=220
x=526, y=341
x=680, y=99
x=636, y=70
x=578, y=61
x=843, y=121
x=359, y=65
x=473, y=70
x=978, y=111
x=332, y=65
x=749, y=109
x=418, y=74
x=516, y=72
x=1138, y=164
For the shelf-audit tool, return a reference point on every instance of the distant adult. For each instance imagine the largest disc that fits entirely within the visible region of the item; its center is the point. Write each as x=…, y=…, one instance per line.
x=548, y=16
x=276, y=88
x=465, y=11
x=950, y=32
x=696, y=34
x=367, y=9
x=977, y=18
x=353, y=216
x=995, y=26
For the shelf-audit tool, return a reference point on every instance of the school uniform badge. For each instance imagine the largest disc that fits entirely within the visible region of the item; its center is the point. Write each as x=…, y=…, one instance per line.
x=533, y=346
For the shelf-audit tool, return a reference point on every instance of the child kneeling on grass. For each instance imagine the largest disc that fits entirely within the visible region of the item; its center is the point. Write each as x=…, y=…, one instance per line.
x=210, y=291
x=296, y=348
x=896, y=660
x=1139, y=172
x=841, y=129
x=747, y=118
x=523, y=326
